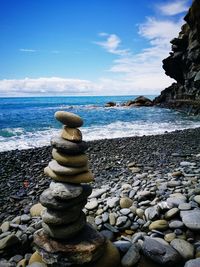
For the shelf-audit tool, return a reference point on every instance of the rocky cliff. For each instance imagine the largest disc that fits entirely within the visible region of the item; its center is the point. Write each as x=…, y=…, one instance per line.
x=183, y=65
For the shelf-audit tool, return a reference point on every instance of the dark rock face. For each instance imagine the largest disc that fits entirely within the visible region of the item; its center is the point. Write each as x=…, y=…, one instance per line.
x=140, y=101
x=183, y=65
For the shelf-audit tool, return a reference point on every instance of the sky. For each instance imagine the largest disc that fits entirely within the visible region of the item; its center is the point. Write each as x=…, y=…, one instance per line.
x=86, y=47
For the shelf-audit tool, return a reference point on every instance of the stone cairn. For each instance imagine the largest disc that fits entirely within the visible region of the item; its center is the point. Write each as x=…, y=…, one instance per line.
x=66, y=239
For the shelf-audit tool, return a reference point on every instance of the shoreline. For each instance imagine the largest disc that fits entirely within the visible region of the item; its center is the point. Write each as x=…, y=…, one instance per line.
x=108, y=158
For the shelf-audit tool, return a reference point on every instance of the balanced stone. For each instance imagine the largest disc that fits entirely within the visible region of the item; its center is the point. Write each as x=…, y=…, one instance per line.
x=71, y=134
x=64, y=190
x=68, y=147
x=49, y=201
x=63, y=170
x=69, y=119
x=85, y=247
x=72, y=160
x=85, y=177
x=65, y=231
x=61, y=217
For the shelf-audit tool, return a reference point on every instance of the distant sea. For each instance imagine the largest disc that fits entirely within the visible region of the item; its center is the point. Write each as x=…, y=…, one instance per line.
x=28, y=122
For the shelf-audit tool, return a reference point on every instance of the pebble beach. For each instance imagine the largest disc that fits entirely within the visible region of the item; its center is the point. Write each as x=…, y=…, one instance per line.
x=146, y=195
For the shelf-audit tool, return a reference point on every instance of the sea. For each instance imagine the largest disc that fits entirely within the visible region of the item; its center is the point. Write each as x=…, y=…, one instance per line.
x=28, y=122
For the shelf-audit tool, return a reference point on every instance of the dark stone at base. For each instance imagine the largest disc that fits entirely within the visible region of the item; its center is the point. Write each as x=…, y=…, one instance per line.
x=87, y=246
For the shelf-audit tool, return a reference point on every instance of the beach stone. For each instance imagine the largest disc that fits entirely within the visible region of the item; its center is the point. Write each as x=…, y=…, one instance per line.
x=177, y=173
x=85, y=177
x=112, y=202
x=35, y=257
x=152, y=212
x=92, y=204
x=63, y=170
x=8, y=241
x=125, y=202
x=176, y=224
x=169, y=237
x=22, y=263
x=184, y=248
x=68, y=147
x=160, y=251
x=110, y=258
x=122, y=245
x=135, y=169
x=112, y=218
x=70, y=119
x=61, y=217
x=176, y=199
x=171, y=213
x=158, y=225
x=185, y=163
x=49, y=201
x=191, y=218
x=25, y=218
x=36, y=210
x=69, y=160
x=184, y=206
x=85, y=247
x=65, y=231
x=5, y=226
x=193, y=263
x=71, y=134
x=65, y=190
x=131, y=257
x=37, y=264
x=197, y=199
x=125, y=211
x=98, y=192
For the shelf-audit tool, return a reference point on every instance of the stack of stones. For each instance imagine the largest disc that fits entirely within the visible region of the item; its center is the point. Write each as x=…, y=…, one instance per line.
x=66, y=239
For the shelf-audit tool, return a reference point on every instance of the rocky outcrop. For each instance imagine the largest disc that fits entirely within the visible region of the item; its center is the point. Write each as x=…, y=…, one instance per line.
x=183, y=65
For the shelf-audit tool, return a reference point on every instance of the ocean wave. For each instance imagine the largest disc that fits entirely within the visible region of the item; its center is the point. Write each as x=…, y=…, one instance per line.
x=116, y=129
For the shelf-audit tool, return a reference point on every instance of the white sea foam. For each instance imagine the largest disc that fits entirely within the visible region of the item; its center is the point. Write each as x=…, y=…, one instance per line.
x=113, y=130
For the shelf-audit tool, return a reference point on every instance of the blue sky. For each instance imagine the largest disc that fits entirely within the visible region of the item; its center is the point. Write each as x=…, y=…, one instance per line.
x=90, y=47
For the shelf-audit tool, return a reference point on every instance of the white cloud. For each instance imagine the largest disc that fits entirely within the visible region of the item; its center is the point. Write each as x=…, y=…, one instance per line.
x=45, y=86
x=27, y=50
x=173, y=8
x=112, y=44
x=130, y=73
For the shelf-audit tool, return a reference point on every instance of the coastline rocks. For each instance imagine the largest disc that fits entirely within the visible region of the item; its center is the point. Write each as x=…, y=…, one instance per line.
x=70, y=119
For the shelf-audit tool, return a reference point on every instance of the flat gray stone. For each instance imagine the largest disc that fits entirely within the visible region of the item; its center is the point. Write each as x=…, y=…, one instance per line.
x=64, y=170
x=65, y=190
x=70, y=148
x=191, y=218
x=51, y=202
